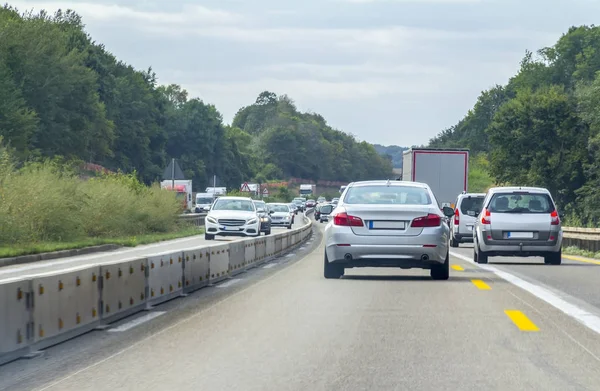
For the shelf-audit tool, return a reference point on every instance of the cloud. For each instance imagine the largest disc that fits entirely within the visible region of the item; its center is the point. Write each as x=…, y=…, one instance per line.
x=188, y=15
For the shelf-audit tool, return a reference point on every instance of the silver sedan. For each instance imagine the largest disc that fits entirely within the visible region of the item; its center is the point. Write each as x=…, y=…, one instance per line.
x=387, y=224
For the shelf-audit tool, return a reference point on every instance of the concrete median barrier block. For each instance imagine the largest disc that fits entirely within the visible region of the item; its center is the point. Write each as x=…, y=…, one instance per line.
x=260, y=246
x=269, y=247
x=123, y=288
x=218, y=262
x=66, y=304
x=249, y=253
x=278, y=244
x=237, y=252
x=16, y=325
x=165, y=277
x=195, y=268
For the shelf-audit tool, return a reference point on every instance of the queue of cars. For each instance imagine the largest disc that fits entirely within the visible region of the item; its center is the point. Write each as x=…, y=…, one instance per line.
x=400, y=224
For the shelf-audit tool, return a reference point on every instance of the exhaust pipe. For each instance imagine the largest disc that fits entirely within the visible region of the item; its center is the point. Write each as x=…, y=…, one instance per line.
x=424, y=257
x=348, y=257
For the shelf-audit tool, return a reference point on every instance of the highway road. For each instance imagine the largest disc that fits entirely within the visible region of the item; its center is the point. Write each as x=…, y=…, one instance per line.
x=15, y=271
x=284, y=327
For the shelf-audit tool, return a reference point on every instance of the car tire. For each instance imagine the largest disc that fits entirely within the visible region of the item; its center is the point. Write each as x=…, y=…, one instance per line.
x=553, y=259
x=453, y=242
x=482, y=258
x=209, y=237
x=331, y=270
x=289, y=226
x=268, y=232
x=441, y=272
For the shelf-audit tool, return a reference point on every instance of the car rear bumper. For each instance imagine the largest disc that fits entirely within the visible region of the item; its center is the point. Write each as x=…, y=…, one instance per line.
x=521, y=247
x=422, y=251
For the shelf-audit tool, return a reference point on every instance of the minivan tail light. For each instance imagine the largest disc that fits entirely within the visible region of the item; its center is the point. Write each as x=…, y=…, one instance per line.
x=345, y=220
x=456, y=217
x=555, y=220
x=487, y=217
x=431, y=220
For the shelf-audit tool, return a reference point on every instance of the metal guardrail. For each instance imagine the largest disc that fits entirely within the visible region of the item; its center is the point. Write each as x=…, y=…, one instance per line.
x=196, y=218
x=584, y=238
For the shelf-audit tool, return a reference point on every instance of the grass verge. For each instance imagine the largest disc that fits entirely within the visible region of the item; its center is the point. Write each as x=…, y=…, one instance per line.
x=45, y=247
x=572, y=250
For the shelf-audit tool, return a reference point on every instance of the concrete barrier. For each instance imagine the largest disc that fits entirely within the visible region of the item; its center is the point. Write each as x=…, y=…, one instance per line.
x=65, y=304
x=195, y=268
x=122, y=288
x=165, y=277
x=218, y=263
x=16, y=325
x=44, y=309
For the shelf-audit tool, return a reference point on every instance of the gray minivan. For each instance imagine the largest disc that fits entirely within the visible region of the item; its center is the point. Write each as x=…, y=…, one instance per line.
x=468, y=207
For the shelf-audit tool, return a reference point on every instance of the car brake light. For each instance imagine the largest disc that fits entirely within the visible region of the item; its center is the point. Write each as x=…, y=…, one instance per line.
x=431, y=220
x=487, y=217
x=456, y=217
x=344, y=219
x=555, y=219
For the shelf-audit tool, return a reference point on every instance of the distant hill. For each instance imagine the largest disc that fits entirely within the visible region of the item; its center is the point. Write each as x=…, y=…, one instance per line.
x=393, y=151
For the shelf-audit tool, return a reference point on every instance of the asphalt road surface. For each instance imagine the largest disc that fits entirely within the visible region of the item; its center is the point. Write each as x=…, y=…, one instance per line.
x=8, y=272
x=284, y=327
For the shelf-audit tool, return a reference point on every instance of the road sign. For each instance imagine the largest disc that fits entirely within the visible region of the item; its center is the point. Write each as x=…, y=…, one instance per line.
x=245, y=187
x=266, y=192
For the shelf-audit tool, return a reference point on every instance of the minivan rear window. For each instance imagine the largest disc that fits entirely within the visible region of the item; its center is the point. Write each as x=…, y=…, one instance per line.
x=521, y=203
x=471, y=206
x=326, y=209
x=403, y=195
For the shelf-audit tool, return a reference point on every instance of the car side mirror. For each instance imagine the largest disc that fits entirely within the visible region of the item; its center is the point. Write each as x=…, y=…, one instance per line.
x=448, y=211
x=271, y=212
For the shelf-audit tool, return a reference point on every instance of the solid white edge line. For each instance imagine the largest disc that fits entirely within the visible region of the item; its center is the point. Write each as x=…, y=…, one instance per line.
x=137, y=322
x=582, y=316
x=228, y=283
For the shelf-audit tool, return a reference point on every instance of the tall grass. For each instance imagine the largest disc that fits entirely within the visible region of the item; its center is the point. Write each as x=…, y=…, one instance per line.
x=48, y=202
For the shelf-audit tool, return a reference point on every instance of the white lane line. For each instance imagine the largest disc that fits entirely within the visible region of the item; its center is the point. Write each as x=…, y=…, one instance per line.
x=137, y=322
x=582, y=316
x=290, y=255
x=302, y=248
x=229, y=283
x=270, y=265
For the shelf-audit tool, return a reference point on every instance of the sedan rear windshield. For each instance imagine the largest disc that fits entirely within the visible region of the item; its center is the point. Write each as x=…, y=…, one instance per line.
x=521, y=203
x=279, y=208
x=326, y=209
x=403, y=195
x=471, y=206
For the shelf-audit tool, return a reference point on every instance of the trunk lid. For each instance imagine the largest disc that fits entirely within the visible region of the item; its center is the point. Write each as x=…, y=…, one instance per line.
x=387, y=219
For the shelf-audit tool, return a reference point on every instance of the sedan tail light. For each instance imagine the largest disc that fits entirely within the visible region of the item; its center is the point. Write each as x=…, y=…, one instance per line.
x=345, y=220
x=555, y=219
x=431, y=220
x=456, y=217
x=486, y=217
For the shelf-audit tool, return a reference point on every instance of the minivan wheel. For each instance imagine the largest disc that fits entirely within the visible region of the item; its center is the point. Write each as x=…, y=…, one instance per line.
x=331, y=270
x=441, y=272
x=553, y=258
x=453, y=242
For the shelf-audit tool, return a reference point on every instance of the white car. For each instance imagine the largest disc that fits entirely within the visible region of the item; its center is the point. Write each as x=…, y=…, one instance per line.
x=281, y=215
x=232, y=216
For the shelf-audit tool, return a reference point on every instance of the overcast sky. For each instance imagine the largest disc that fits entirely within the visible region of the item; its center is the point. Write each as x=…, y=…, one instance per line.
x=387, y=71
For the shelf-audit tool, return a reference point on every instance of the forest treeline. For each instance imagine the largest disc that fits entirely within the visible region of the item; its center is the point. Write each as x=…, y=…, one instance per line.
x=543, y=127
x=64, y=95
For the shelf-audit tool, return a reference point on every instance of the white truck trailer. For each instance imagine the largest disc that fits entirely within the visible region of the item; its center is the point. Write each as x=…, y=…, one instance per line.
x=446, y=171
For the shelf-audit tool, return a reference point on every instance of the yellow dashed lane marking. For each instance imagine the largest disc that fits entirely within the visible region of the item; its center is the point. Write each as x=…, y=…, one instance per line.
x=580, y=259
x=458, y=268
x=521, y=321
x=481, y=285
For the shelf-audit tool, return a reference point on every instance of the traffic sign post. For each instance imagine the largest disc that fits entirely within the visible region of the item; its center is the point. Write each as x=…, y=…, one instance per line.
x=245, y=188
x=265, y=192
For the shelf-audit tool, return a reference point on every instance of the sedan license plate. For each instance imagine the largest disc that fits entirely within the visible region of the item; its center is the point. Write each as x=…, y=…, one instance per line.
x=387, y=225
x=228, y=228
x=520, y=235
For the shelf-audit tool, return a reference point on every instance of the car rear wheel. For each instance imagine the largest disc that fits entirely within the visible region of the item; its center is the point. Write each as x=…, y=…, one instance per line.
x=441, y=272
x=478, y=255
x=208, y=237
x=289, y=226
x=332, y=271
x=453, y=242
x=553, y=259
x=268, y=232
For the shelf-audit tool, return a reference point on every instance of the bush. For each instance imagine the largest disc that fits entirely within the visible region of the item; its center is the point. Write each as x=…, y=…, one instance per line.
x=46, y=201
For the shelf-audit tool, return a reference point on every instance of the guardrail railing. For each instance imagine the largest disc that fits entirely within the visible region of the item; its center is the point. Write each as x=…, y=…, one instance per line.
x=193, y=218
x=584, y=238
x=37, y=310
